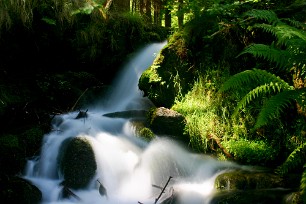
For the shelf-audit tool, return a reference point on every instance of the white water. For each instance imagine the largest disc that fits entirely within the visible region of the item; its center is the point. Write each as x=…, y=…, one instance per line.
x=127, y=166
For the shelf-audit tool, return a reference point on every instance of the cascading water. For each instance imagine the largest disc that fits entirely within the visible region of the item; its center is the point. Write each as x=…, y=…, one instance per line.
x=130, y=169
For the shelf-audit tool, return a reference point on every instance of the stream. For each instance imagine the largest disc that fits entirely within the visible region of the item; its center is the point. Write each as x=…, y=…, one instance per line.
x=131, y=169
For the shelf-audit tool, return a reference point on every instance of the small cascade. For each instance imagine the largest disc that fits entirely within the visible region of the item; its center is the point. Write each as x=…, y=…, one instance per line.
x=129, y=170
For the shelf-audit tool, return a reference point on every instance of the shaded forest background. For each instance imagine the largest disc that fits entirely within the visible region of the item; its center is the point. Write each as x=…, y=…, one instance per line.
x=224, y=61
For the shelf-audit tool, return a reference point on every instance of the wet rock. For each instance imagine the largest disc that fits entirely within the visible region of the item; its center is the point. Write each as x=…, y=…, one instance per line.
x=245, y=180
x=82, y=114
x=77, y=162
x=127, y=114
x=168, y=122
x=259, y=196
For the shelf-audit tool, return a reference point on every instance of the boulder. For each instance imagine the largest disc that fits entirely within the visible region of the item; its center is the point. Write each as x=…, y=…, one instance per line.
x=245, y=180
x=164, y=121
x=77, y=162
x=257, y=196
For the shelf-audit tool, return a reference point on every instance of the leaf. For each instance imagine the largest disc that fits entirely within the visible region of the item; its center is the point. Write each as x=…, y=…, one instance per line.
x=267, y=15
x=270, y=53
x=49, y=21
x=275, y=105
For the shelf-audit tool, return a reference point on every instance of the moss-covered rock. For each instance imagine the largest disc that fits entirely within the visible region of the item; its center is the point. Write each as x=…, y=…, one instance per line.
x=244, y=180
x=77, y=162
x=19, y=191
x=261, y=196
x=169, y=74
x=167, y=122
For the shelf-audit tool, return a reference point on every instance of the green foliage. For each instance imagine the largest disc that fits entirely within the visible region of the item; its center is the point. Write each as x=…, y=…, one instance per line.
x=289, y=48
x=266, y=84
x=295, y=160
x=203, y=110
x=277, y=104
x=303, y=185
x=270, y=53
x=251, y=152
x=254, y=76
x=266, y=15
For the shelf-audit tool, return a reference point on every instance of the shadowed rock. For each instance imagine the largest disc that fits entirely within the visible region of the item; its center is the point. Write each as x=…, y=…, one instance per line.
x=77, y=162
x=127, y=114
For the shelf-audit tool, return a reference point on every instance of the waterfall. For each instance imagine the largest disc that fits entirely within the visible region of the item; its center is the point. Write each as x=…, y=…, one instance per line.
x=131, y=170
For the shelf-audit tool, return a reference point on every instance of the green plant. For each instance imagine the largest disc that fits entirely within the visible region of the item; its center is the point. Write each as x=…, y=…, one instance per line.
x=303, y=185
x=266, y=84
x=296, y=159
x=251, y=152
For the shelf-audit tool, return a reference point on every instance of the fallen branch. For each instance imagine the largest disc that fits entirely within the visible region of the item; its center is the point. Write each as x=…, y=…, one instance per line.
x=72, y=108
x=163, y=190
x=69, y=193
x=218, y=142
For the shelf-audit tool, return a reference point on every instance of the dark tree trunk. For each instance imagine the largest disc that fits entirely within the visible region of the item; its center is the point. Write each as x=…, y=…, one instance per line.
x=148, y=10
x=157, y=13
x=167, y=18
x=180, y=16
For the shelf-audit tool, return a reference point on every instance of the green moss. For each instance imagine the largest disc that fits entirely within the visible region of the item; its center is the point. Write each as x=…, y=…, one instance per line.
x=251, y=152
x=146, y=133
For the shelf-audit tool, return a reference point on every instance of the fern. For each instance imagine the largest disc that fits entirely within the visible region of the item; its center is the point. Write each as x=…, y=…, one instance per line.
x=251, y=76
x=266, y=15
x=294, y=23
x=280, y=57
x=275, y=105
x=264, y=89
x=296, y=159
x=283, y=32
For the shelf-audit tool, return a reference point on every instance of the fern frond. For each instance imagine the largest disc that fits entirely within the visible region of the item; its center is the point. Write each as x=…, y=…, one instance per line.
x=296, y=159
x=264, y=89
x=275, y=105
x=296, y=24
x=266, y=15
x=280, y=57
x=283, y=32
x=251, y=76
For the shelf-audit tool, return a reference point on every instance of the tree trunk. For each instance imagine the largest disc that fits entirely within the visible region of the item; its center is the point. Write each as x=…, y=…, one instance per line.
x=148, y=10
x=167, y=18
x=180, y=15
x=157, y=14
x=119, y=5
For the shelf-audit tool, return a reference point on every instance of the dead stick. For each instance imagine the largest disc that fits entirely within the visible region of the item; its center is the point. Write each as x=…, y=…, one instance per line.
x=218, y=141
x=163, y=190
x=72, y=108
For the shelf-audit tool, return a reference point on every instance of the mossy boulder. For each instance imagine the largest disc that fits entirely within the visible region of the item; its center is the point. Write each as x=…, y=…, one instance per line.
x=169, y=74
x=18, y=190
x=259, y=196
x=245, y=180
x=167, y=122
x=77, y=162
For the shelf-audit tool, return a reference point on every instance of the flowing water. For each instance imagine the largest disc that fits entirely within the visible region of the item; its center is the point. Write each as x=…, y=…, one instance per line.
x=131, y=169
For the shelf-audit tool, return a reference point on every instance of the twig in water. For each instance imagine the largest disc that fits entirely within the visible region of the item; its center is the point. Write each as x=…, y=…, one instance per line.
x=163, y=190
